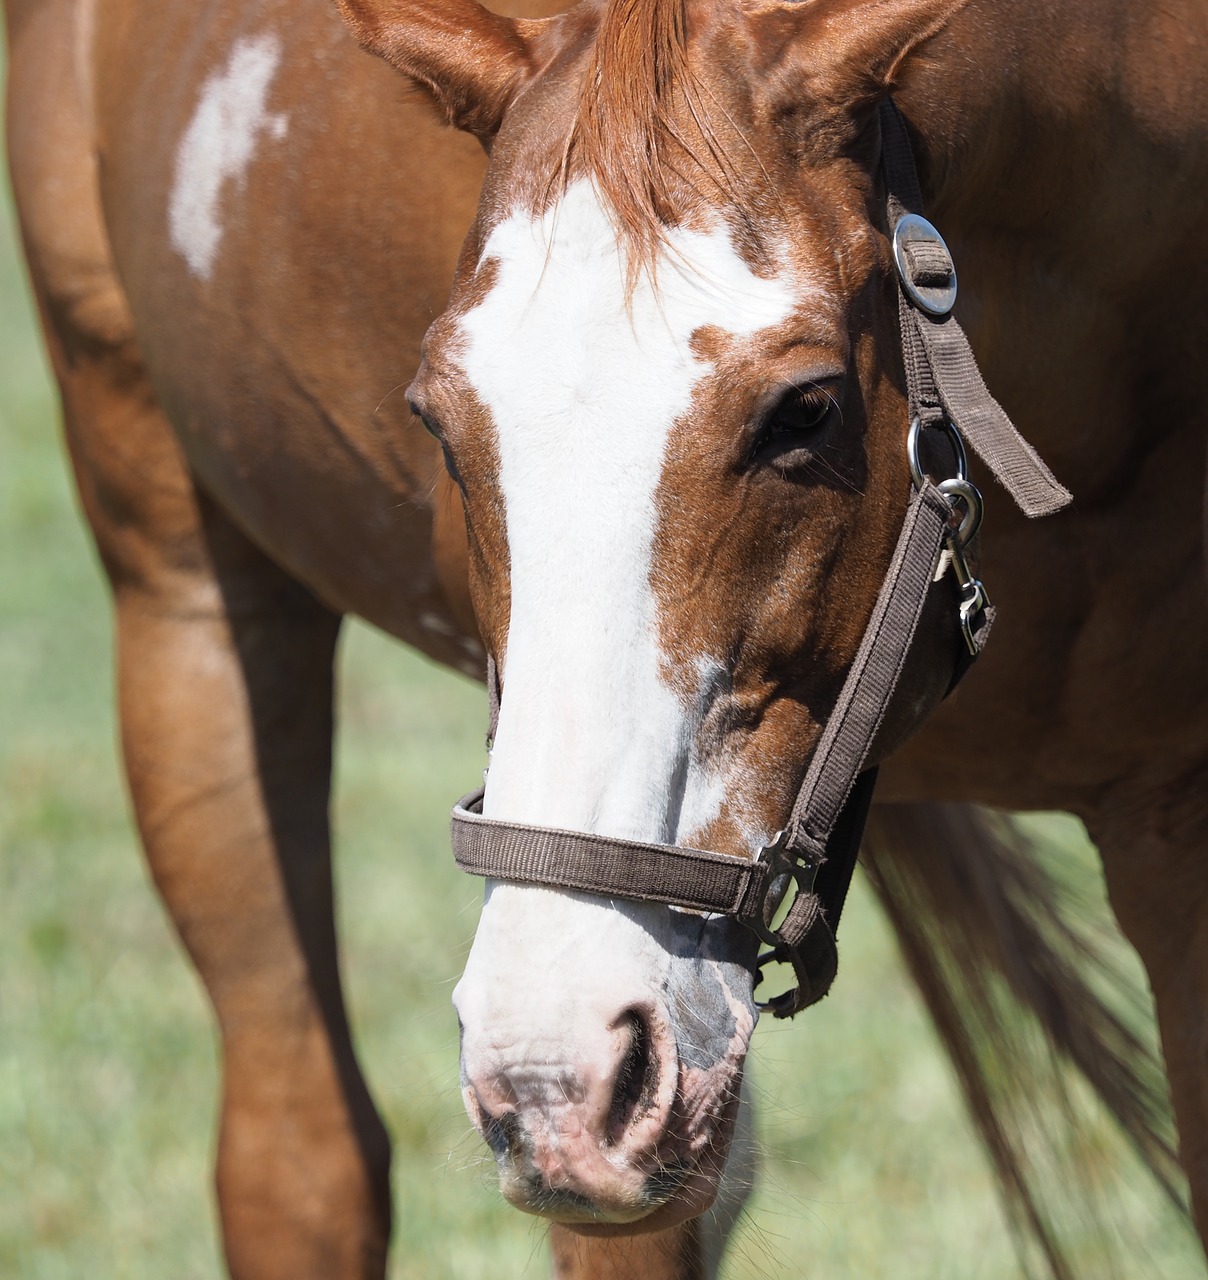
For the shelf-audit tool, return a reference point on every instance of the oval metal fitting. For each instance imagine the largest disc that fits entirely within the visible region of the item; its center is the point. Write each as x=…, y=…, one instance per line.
x=925, y=266
x=955, y=439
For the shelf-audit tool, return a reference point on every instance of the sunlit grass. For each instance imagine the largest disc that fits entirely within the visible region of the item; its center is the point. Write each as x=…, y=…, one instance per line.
x=107, y=1061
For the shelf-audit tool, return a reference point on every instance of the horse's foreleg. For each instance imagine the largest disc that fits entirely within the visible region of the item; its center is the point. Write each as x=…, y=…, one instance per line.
x=1155, y=855
x=225, y=689
x=226, y=726
x=225, y=685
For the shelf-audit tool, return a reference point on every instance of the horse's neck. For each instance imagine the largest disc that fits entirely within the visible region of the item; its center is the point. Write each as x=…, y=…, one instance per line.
x=1065, y=155
x=1015, y=99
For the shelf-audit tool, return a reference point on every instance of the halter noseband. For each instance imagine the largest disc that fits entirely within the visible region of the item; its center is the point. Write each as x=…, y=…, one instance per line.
x=816, y=852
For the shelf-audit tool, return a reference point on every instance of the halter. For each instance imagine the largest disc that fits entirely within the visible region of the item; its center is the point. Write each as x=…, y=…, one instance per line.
x=816, y=852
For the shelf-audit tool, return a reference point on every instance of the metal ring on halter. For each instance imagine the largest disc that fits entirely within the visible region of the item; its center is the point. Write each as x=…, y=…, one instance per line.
x=917, y=473
x=783, y=868
x=801, y=874
x=960, y=490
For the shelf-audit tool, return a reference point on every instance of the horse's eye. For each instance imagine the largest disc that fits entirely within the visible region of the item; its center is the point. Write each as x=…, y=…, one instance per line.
x=801, y=410
x=797, y=422
x=429, y=426
x=438, y=435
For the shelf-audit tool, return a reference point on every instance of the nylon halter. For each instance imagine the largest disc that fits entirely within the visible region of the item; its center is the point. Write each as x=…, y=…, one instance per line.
x=816, y=852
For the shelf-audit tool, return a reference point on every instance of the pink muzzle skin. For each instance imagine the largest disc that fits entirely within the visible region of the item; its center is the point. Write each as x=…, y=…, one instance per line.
x=609, y=1104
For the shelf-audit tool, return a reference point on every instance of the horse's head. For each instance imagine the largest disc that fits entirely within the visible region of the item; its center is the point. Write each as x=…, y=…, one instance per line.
x=669, y=387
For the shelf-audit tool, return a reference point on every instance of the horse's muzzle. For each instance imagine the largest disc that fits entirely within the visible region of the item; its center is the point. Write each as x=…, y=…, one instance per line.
x=602, y=1048
x=609, y=1142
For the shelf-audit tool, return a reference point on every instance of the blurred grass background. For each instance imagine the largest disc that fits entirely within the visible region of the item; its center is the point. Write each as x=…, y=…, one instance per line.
x=107, y=1057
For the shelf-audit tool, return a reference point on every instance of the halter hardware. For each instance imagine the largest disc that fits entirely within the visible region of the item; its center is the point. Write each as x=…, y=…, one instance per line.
x=924, y=265
x=783, y=868
x=958, y=491
x=816, y=852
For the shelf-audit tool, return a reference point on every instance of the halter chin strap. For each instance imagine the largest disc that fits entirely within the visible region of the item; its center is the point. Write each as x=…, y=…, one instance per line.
x=816, y=852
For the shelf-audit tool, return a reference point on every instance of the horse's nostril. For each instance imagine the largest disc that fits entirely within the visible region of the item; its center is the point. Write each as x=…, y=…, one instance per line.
x=636, y=1086
x=503, y=1134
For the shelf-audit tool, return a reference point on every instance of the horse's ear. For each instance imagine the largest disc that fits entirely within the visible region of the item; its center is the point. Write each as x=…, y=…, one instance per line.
x=470, y=62
x=844, y=52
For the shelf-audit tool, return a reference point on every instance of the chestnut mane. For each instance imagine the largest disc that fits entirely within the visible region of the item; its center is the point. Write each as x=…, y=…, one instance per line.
x=641, y=131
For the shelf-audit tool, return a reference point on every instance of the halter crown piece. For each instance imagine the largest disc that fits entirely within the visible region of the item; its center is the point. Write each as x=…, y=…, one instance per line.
x=816, y=852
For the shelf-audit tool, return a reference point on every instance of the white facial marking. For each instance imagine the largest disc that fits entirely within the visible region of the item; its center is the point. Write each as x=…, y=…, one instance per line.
x=218, y=146
x=584, y=393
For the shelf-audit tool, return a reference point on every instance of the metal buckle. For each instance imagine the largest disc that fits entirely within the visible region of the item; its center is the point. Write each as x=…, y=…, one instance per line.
x=974, y=600
x=936, y=299
x=783, y=867
x=957, y=491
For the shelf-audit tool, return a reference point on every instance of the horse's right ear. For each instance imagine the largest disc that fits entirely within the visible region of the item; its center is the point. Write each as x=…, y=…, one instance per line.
x=470, y=62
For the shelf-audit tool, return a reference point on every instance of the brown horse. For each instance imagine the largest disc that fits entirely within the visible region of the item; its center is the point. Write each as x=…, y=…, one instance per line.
x=667, y=392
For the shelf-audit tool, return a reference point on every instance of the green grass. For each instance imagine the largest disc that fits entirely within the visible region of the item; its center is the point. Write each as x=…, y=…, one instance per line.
x=107, y=1058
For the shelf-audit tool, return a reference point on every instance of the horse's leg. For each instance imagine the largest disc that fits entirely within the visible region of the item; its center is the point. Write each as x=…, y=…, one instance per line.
x=225, y=691
x=1155, y=855
x=225, y=687
x=225, y=695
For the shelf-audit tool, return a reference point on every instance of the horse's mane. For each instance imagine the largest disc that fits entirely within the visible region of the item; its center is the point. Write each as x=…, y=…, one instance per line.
x=641, y=130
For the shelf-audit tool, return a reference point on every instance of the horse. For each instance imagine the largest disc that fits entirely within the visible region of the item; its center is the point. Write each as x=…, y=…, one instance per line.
x=653, y=481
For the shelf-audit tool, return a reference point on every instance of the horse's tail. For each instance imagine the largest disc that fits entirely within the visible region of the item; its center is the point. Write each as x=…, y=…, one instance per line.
x=1017, y=970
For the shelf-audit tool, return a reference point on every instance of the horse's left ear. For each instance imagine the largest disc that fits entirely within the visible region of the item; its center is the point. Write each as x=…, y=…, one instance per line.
x=842, y=53
x=469, y=62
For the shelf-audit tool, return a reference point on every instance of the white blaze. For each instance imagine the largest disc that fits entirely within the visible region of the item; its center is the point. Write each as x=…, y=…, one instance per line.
x=218, y=146
x=584, y=392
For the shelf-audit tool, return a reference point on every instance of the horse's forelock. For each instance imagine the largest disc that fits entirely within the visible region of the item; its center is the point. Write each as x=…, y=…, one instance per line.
x=642, y=127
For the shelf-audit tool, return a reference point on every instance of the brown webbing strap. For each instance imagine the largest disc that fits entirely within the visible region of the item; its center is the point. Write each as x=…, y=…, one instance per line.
x=691, y=878
x=843, y=848
x=823, y=832
x=941, y=370
x=866, y=692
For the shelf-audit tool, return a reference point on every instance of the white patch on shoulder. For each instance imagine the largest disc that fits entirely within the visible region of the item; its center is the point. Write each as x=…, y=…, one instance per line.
x=218, y=146
x=584, y=392
x=436, y=624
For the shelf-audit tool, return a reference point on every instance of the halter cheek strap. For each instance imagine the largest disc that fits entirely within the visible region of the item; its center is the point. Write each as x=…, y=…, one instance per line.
x=816, y=852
